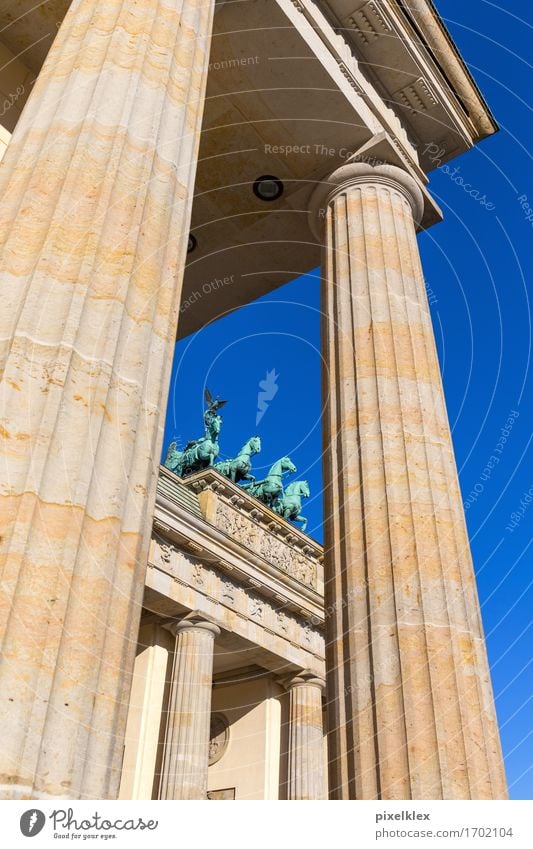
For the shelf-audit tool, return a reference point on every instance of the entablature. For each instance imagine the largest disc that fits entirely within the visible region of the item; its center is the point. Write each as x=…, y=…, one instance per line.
x=242, y=538
x=218, y=551
x=408, y=54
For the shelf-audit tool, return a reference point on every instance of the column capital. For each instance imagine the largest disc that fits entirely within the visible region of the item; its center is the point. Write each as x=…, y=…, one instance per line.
x=356, y=173
x=305, y=678
x=192, y=622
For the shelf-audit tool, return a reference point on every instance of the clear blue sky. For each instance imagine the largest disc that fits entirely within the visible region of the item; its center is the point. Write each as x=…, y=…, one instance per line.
x=478, y=267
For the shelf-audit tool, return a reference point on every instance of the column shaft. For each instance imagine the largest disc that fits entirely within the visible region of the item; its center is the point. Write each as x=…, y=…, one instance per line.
x=185, y=759
x=410, y=707
x=306, y=740
x=151, y=677
x=96, y=192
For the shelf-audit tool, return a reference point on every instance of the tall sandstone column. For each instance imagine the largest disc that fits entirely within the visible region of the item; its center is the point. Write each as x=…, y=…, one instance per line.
x=186, y=753
x=306, y=738
x=410, y=705
x=96, y=193
x=150, y=687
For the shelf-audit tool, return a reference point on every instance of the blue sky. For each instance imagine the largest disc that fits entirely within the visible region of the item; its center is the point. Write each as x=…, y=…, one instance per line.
x=477, y=266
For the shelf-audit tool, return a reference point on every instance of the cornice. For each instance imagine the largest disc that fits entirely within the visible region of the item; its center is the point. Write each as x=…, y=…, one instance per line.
x=340, y=49
x=427, y=22
x=437, y=82
x=210, y=545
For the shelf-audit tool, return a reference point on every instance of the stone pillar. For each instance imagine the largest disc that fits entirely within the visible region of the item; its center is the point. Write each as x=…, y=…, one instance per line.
x=410, y=705
x=96, y=190
x=185, y=758
x=306, y=738
x=151, y=676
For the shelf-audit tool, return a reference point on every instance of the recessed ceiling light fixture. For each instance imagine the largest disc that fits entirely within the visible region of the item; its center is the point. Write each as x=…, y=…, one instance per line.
x=191, y=244
x=268, y=187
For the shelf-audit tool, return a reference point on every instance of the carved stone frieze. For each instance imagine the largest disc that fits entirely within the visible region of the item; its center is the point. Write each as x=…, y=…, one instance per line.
x=257, y=607
x=247, y=603
x=263, y=540
x=197, y=575
x=229, y=592
x=164, y=552
x=282, y=621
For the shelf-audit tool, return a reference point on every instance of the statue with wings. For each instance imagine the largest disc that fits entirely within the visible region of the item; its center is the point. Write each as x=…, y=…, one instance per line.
x=199, y=453
x=213, y=405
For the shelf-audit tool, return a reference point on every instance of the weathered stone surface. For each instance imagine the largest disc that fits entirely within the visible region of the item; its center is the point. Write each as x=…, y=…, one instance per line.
x=411, y=711
x=306, y=738
x=146, y=703
x=275, y=550
x=236, y=602
x=96, y=189
x=248, y=521
x=186, y=751
x=98, y=174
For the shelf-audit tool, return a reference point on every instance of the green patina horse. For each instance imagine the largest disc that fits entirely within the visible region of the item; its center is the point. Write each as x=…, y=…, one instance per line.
x=289, y=504
x=238, y=469
x=271, y=487
x=198, y=453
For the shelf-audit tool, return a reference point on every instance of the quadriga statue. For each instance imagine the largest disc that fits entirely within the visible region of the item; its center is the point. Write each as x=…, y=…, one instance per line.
x=269, y=489
x=198, y=453
x=289, y=504
x=239, y=468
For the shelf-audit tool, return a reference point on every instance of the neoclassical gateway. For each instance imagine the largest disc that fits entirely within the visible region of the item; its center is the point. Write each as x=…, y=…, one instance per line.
x=179, y=636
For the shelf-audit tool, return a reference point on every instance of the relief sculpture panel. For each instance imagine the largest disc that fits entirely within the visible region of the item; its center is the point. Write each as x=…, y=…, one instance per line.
x=225, y=590
x=266, y=544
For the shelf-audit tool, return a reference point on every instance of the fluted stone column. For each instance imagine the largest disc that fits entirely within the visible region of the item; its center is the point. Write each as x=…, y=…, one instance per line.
x=96, y=192
x=410, y=705
x=149, y=693
x=186, y=754
x=306, y=738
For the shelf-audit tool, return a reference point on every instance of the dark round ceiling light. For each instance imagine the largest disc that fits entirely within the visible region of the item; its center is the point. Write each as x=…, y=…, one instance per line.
x=268, y=188
x=191, y=244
